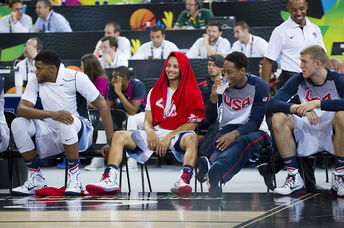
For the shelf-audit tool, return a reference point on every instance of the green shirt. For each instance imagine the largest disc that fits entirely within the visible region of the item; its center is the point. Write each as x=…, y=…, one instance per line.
x=199, y=22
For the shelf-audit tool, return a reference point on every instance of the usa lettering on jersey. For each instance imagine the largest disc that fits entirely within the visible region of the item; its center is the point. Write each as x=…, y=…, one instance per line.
x=236, y=103
x=309, y=98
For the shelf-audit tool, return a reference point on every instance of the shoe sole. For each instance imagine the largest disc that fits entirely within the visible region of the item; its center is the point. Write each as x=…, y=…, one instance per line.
x=202, y=169
x=22, y=194
x=183, y=191
x=73, y=193
x=301, y=191
x=96, y=190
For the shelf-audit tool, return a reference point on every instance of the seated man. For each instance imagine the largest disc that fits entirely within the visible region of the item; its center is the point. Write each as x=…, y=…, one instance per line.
x=111, y=57
x=113, y=29
x=250, y=45
x=16, y=21
x=4, y=131
x=307, y=128
x=157, y=48
x=242, y=131
x=128, y=95
x=173, y=109
x=48, y=20
x=62, y=125
x=211, y=43
x=26, y=67
x=194, y=16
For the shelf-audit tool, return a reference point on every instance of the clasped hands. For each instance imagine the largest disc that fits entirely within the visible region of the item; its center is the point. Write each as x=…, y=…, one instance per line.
x=307, y=109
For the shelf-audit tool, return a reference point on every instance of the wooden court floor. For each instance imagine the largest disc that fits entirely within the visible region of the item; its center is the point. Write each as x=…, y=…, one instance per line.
x=167, y=210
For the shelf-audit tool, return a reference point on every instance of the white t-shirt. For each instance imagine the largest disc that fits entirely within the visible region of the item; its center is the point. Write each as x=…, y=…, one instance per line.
x=255, y=47
x=288, y=40
x=2, y=102
x=119, y=60
x=162, y=52
x=198, y=49
x=63, y=94
x=23, y=25
x=55, y=22
x=123, y=47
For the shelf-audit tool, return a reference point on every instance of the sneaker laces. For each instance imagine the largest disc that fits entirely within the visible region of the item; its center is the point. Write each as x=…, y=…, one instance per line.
x=289, y=181
x=30, y=183
x=186, y=177
x=104, y=176
x=76, y=182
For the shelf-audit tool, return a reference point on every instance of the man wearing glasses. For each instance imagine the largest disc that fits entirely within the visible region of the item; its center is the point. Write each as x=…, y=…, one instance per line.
x=16, y=21
x=194, y=16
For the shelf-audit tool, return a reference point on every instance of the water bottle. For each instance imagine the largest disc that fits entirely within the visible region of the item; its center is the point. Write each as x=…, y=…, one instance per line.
x=105, y=2
x=64, y=2
x=96, y=3
x=148, y=26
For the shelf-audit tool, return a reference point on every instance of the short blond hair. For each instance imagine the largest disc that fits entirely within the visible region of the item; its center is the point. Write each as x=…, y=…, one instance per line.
x=316, y=53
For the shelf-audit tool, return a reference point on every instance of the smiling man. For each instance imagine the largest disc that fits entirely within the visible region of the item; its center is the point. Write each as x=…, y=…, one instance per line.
x=242, y=131
x=211, y=43
x=315, y=125
x=174, y=107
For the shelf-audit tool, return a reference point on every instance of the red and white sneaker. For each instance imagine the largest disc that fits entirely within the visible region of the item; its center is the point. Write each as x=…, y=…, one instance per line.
x=108, y=185
x=180, y=187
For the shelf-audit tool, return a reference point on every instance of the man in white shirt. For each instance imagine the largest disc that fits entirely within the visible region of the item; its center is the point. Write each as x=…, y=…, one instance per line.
x=111, y=57
x=157, y=48
x=62, y=125
x=48, y=20
x=211, y=43
x=252, y=46
x=26, y=67
x=16, y=21
x=113, y=29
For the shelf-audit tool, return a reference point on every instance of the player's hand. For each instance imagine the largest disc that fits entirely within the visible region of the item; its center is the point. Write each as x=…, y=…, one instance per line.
x=105, y=150
x=312, y=117
x=107, y=58
x=152, y=140
x=37, y=30
x=117, y=84
x=217, y=83
x=14, y=17
x=303, y=108
x=63, y=117
x=225, y=140
x=162, y=146
x=206, y=38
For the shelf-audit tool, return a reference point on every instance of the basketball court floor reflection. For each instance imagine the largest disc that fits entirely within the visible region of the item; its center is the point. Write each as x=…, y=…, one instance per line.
x=168, y=210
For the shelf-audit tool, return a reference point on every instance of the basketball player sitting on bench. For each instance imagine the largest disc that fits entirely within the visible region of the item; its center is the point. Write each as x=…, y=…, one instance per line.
x=315, y=125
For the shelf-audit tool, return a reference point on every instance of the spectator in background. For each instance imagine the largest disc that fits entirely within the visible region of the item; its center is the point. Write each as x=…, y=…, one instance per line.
x=111, y=57
x=16, y=21
x=113, y=29
x=157, y=48
x=4, y=131
x=26, y=67
x=90, y=65
x=48, y=20
x=250, y=45
x=338, y=65
x=194, y=16
x=211, y=43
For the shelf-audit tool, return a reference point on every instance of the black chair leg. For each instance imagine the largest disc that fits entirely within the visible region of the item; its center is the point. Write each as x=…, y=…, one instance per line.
x=142, y=179
x=148, y=179
x=66, y=171
x=10, y=170
x=128, y=178
x=326, y=168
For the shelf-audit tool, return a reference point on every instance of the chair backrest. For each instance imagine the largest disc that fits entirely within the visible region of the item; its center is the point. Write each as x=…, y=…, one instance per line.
x=119, y=119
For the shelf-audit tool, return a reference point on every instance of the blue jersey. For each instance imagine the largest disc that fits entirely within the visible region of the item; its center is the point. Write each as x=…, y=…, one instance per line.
x=244, y=107
x=331, y=93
